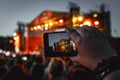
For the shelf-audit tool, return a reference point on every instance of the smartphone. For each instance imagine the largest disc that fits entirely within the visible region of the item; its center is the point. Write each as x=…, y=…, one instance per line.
x=58, y=44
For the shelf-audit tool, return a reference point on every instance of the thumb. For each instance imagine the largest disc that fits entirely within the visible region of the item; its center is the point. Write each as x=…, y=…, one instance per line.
x=74, y=35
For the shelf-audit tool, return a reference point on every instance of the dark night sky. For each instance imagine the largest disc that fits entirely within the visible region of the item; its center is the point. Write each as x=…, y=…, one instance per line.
x=12, y=11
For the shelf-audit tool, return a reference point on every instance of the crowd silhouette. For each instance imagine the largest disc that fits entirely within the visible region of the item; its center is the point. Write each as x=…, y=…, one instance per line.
x=35, y=68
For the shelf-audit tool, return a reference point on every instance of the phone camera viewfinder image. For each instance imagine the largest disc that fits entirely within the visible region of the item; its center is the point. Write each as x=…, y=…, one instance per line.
x=58, y=44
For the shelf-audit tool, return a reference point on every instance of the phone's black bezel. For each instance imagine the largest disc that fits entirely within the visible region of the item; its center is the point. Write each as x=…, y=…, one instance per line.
x=49, y=53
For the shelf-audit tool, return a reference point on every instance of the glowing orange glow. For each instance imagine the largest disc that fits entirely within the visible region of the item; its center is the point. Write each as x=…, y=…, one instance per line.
x=80, y=18
x=17, y=43
x=61, y=21
x=87, y=22
x=42, y=26
x=38, y=27
x=56, y=23
x=74, y=19
x=63, y=47
x=51, y=24
x=35, y=28
x=95, y=15
x=26, y=47
x=96, y=22
x=31, y=29
x=46, y=25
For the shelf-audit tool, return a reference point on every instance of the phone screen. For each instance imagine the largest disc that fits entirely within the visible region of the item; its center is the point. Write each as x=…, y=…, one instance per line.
x=56, y=37
x=59, y=44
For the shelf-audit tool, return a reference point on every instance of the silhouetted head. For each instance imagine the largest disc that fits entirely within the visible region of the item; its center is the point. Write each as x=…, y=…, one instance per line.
x=57, y=68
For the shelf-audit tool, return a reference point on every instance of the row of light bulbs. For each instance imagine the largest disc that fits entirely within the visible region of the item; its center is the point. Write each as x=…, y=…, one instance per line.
x=47, y=25
x=61, y=21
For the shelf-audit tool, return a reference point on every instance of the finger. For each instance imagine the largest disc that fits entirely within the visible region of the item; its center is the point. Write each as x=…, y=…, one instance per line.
x=74, y=35
x=82, y=30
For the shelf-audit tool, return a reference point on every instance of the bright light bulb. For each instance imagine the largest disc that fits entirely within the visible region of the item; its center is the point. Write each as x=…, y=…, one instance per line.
x=96, y=22
x=61, y=21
